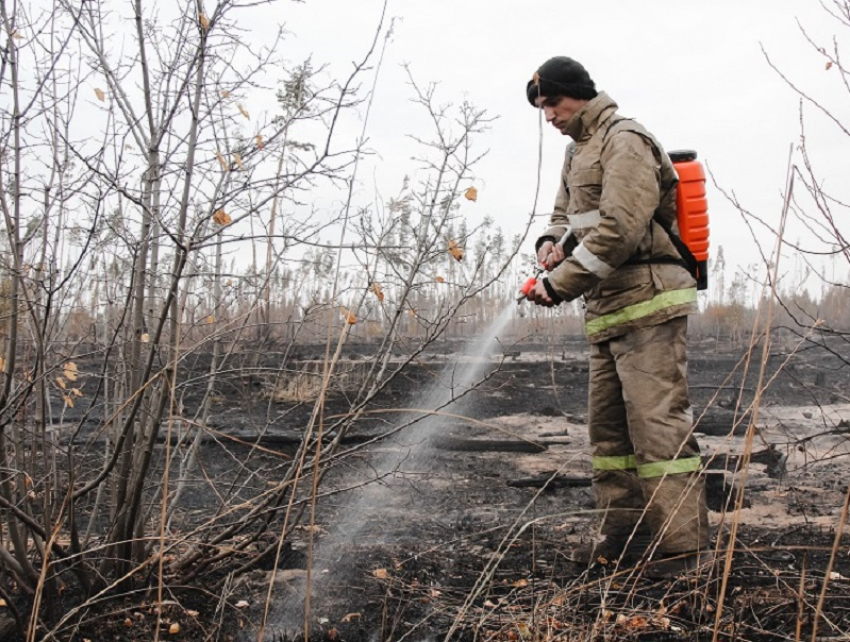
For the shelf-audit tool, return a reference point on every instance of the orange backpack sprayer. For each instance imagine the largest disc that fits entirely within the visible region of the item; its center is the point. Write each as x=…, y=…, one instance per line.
x=691, y=215
x=692, y=211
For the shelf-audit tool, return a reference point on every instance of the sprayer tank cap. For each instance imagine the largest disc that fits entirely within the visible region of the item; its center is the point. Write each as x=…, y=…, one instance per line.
x=683, y=155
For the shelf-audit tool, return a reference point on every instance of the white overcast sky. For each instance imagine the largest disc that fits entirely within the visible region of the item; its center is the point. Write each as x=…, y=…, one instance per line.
x=692, y=71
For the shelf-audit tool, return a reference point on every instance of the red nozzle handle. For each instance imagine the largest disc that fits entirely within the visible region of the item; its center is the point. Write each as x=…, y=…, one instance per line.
x=528, y=285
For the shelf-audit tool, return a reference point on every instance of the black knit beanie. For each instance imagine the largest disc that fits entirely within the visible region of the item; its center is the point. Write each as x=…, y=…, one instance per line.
x=561, y=76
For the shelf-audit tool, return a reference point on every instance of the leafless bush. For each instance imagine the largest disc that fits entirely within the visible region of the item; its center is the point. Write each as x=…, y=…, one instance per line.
x=160, y=241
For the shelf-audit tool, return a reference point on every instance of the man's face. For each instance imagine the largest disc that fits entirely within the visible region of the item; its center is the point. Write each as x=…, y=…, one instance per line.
x=559, y=110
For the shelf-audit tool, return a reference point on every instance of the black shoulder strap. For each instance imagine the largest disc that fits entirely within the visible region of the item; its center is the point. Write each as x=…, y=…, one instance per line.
x=684, y=251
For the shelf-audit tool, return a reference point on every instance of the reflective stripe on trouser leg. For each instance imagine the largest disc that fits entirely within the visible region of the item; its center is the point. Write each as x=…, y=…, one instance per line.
x=616, y=462
x=616, y=485
x=652, y=368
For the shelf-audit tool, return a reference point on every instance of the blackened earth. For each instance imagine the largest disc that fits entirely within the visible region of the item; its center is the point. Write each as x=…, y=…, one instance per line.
x=463, y=529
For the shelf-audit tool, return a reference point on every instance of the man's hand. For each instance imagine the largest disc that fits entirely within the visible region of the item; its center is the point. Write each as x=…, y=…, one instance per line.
x=539, y=296
x=550, y=255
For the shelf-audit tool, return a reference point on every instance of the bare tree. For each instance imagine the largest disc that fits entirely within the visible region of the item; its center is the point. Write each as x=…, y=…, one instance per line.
x=162, y=251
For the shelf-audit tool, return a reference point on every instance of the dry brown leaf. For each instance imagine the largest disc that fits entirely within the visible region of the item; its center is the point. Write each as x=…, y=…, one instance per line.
x=2, y=364
x=205, y=22
x=829, y=64
x=68, y=401
x=237, y=158
x=174, y=629
x=61, y=382
x=471, y=194
x=2, y=603
x=128, y=622
x=637, y=623
x=225, y=93
x=242, y=604
x=76, y=392
x=456, y=251
x=536, y=78
x=70, y=371
x=221, y=217
x=524, y=631
x=348, y=315
x=411, y=312
x=222, y=162
x=145, y=338
x=99, y=93
x=381, y=573
x=17, y=35
x=376, y=289
x=243, y=111
x=210, y=319
x=260, y=143
x=351, y=616
x=520, y=583
x=191, y=613
x=439, y=279
x=633, y=623
x=333, y=634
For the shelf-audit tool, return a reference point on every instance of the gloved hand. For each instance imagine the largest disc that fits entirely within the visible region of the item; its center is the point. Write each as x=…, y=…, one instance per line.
x=543, y=294
x=550, y=254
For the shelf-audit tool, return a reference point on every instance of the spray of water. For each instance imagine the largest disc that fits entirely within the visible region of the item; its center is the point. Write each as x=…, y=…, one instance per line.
x=397, y=464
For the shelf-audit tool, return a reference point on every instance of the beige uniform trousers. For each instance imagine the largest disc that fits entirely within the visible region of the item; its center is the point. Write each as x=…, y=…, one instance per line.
x=646, y=460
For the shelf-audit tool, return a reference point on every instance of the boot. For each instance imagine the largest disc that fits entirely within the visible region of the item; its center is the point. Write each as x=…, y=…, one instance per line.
x=612, y=547
x=676, y=564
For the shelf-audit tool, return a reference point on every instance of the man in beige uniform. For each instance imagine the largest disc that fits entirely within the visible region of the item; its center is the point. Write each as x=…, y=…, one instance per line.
x=617, y=188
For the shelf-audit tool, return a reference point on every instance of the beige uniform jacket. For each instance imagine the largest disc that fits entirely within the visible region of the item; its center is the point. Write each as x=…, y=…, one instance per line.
x=614, y=179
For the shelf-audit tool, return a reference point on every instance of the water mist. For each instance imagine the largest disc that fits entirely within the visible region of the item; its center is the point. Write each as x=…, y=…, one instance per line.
x=389, y=476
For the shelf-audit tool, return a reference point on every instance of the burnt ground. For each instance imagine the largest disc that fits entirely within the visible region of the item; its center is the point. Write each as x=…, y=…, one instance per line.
x=468, y=530
x=460, y=526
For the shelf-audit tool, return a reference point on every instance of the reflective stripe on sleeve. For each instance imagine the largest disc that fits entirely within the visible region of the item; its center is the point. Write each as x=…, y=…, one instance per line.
x=672, y=467
x=621, y=462
x=592, y=263
x=585, y=220
x=640, y=310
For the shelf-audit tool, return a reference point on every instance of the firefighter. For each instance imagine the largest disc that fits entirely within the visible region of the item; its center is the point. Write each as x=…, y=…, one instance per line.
x=616, y=184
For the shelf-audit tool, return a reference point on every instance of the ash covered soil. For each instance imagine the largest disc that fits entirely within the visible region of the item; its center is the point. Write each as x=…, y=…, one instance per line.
x=460, y=525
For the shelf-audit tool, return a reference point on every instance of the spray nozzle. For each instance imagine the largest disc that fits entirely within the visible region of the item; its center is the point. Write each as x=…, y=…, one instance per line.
x=527, y=287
